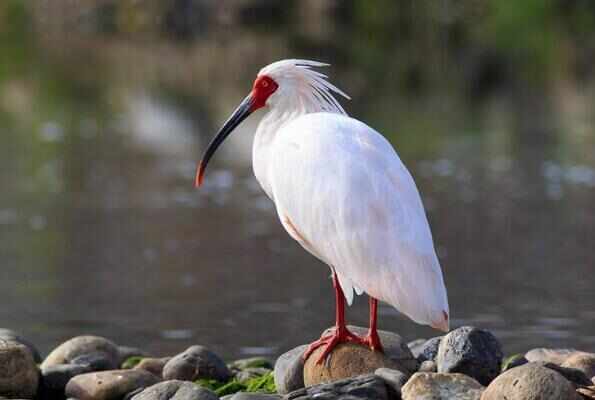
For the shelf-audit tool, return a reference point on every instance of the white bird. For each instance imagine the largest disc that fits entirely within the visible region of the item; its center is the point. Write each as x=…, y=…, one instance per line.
x=342, y=192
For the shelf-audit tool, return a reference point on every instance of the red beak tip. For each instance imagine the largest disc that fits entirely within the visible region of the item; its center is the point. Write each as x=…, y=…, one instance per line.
x=199, y=177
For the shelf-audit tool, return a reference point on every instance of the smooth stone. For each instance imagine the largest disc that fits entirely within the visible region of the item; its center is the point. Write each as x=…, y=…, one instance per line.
x=82, y=345
x=369, y=387
x=556, y=356
x=587, y=392
x=574, y=375
x=9, y=334
x=126, y=352
x=345, y=361
x=530, y=382
x=95, y=361
x=175, y=390
x=470, y=351
x=582, y=361
x=289, y=370
x=394, y=379
x=394, y=346
x=255, y=396
x=19, y=376
x=252, y=362
x=515, y=360
x=250, y=373
x=441, y=386
x=197, y=362
x=153, y=365
x=54, y=378
x=428, y=350
x=428, y=366
x=108, y=385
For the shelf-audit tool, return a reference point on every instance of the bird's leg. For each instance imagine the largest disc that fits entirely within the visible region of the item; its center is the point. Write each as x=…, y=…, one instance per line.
x=340, y=334
x=372, y=339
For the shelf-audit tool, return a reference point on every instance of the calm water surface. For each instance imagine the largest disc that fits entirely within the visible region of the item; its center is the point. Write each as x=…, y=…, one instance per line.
x=102, y=232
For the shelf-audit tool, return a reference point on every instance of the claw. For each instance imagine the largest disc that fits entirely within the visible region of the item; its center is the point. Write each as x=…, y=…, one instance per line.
x=331, y=340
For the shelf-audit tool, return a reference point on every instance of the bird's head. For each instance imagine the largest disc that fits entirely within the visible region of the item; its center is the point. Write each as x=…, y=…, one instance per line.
x=286, y=83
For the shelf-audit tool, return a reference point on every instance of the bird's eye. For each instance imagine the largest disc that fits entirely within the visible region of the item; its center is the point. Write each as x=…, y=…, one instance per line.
x=264, y=84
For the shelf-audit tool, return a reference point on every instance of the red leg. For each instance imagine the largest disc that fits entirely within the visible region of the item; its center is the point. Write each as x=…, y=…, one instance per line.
x=340, y=334
x=372, y=339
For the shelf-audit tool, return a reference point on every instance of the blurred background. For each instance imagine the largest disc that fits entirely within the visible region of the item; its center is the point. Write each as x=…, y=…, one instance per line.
x=106, y=107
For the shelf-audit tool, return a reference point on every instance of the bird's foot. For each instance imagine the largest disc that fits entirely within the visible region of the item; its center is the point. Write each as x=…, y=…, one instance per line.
x=338, y=336
x=372, y=340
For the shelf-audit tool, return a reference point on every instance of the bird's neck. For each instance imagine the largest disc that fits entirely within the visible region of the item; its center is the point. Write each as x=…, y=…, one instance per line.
x=273, y=120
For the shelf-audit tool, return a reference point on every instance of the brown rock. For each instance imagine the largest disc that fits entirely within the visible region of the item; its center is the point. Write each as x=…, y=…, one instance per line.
x=587, y=392
x=345, y=361
x=153, y=365
x=582, y=361
x=441, y=386
x=80, y=346
x=556, y=356
x=108, y=385
x=19, y=376
x=530, y=382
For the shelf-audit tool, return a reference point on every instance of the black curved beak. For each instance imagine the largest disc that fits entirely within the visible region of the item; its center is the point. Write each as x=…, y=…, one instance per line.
x=240, y=114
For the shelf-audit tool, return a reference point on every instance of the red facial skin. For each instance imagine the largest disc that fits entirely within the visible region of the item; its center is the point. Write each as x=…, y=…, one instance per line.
x=264, y=86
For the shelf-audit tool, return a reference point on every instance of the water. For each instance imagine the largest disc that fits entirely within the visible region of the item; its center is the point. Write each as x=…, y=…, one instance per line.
x=102, y=232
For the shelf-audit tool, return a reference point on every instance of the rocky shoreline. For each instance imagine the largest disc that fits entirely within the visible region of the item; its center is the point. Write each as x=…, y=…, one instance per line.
x=467, y=363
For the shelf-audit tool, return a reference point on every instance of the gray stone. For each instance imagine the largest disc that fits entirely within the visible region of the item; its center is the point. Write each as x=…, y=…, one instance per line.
x=415, y=343
x=556, y=356
x=9, y=335
x=126, y=352
x=94, y=361
x=470, y=351
x=196, y=362
x=530, y=382
x=252, y=362
x=109, y=385
x=175, y=390
x=438, y=386
x=427, y=350
x=153, y=365
x=369, y=387
x=582, y=361
x=249, y=373
x=19, y=376
x=255, y=396
x=394, y=379
x=428, y=366
x=574, y=375
x=289, y=370
x=82, y=345
x=55, y=377
x=394, y=346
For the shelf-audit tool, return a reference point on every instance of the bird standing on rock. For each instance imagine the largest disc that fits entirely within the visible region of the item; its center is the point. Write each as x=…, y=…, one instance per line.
x=342, y=192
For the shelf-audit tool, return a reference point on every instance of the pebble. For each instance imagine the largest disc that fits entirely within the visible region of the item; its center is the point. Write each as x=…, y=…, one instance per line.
x=252, y=362
x=289, y=370
x=19, y=376
x=556, y=356
x=175, y=390
x=10, y=335
x=428, y=350
x=55, y=377
x=582, y=361
x=369, y=387
x=108, y=385
x=574, y=375
x=470, y=351
x=197, y=362
x=255, y=396
x=345, y=361
x=126, y=352
x=394, y=380
x=428, y=366
x=587, y=392
x=83, y=345
x=440, y=386
x=250, y=373
x=531, y=381
x=94, y=361
x=153, y=365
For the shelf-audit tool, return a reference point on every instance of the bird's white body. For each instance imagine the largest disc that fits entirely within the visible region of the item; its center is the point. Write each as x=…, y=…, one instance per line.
x=342, y=192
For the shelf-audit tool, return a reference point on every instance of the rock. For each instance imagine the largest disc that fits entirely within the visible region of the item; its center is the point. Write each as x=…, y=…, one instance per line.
x=289, y=370
x=470, y=351
x=574, y=375
x=345, y=361
x=255, y=396
x=153, y=365
x=252, y=362
x=250, y=373
x=395, y=347
x=530, y=382
x=394, y=380
x=197, y=362
x=19, y=376
x=427, y=350
x=582, y=361
x=175, y=390
x=439, y=386
x=94, y=361
x=416, y=343
x=369, y=387
x=428, y=366
x=83, y=345
x=10, y=335
x=587, y=392
x=126, y=352
x=54, y=378
x=515, y=360
x=556, y=356
x=108, y=385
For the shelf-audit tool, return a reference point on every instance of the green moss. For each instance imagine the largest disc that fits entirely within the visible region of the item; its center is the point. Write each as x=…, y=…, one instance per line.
x=261, y=384
x=512, y=361
x=230, y=387
x=211, y=384
x=131, y=362
x=265, y=384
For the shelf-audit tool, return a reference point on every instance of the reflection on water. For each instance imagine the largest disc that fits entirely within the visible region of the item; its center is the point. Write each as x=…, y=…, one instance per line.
x=101, y=230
